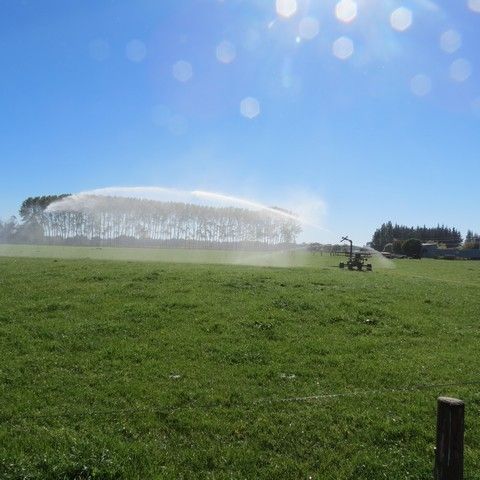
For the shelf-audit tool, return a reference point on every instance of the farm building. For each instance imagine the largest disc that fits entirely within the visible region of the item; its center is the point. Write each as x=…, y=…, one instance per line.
x=431, y=250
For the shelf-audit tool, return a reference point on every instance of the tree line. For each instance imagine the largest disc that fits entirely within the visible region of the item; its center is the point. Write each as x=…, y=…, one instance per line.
x=395, y=235
x=103, y=220
x=472, y=240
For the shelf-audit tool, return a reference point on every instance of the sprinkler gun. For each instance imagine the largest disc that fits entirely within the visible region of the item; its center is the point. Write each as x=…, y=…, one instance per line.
x=346, y=239
x=357, y=261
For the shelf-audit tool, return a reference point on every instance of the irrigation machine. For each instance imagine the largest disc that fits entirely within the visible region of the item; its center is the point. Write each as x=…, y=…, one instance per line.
x=356, y=260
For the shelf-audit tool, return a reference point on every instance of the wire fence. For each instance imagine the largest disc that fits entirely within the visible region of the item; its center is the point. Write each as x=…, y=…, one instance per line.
x=169, y=410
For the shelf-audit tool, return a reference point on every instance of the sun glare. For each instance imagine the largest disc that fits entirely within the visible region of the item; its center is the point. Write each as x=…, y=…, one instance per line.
x=250, y=107
x=346, y=11
x=460, y=70
x=450, y=41
x=182, y=71
x=421, y=85
x=226, y=52
x=308, y=28
x=286, y=8
x=343, y=48
x=401, y=19
x=474, y=5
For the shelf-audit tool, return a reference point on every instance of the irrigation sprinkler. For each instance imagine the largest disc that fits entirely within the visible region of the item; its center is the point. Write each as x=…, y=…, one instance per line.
x=356, y=260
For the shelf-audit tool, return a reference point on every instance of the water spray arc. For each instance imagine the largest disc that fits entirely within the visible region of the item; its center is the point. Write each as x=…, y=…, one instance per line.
x=234, y=229
x=164, y=218
x=202, y=197
x=245, y=203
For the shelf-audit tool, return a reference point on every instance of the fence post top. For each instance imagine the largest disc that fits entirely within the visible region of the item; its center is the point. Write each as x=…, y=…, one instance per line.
x=454, y=402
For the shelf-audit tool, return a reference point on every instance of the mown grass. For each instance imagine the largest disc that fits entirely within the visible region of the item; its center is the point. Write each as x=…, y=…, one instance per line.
x=144, y=370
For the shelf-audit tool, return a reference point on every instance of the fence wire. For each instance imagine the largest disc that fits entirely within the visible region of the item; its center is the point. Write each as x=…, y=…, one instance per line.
x=169, y=410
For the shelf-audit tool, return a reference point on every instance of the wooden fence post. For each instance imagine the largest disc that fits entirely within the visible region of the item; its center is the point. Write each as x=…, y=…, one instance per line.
x=450, y=428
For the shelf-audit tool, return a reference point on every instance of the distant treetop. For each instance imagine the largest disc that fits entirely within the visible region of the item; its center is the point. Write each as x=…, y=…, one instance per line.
x=389, y=233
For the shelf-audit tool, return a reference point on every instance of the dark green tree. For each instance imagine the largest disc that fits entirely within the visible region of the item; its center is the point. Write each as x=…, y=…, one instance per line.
x=472, y=240
x=388, y=233
x=33, y=207
x=397, y=247
x=412, y=248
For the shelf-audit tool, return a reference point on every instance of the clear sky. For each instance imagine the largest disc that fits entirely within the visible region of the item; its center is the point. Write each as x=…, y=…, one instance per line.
x=371, y=108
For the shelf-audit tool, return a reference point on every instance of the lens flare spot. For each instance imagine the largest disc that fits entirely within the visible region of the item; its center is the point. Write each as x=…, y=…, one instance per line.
x=346, y=11
x=182, y=71
x=226, y=52
x=177, y=125
x=308, y=28
x=250, y=107
x=343, y=48
x=450, y=41
x=460, y=70
x=99, y=49
x=286, y=8
x=421, y=85
x=474, y=5
x=136, y=51
x=251, y=40
x=401, y=19
x=476, y=107
x=161, y=115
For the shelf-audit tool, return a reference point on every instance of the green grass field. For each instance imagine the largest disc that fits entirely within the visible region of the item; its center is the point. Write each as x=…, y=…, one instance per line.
x=172, y=255
x=143, y=369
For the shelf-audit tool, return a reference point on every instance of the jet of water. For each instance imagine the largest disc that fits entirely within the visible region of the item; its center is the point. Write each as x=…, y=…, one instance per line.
x=86, y=199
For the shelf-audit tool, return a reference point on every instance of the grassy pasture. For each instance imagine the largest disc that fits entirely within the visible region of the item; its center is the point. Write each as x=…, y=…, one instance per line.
x=172, y=255
x=154, y=370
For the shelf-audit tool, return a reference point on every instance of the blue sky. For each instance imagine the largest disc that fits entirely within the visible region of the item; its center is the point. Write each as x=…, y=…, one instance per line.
x=371, y=108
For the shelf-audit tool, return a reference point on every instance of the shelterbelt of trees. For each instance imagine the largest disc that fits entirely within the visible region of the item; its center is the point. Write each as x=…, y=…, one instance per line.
x=92, y=219
x=389, y=233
